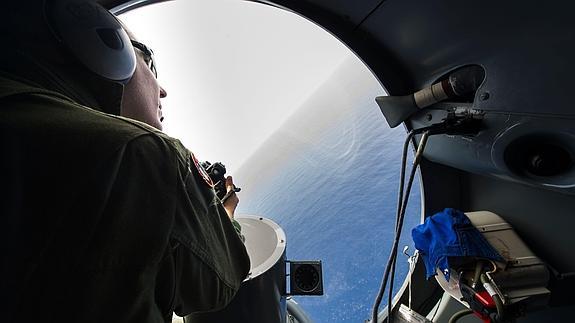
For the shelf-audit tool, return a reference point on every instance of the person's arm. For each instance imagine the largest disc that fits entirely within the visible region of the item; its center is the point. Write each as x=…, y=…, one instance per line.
x=230, y=205
x=210, y=258
x=231, y=202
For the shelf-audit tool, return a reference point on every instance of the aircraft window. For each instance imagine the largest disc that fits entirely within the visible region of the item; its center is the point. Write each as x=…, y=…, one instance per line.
x=290, y=111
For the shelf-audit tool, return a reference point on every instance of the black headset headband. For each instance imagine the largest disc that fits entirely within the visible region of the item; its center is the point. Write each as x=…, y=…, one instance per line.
x=94, y=36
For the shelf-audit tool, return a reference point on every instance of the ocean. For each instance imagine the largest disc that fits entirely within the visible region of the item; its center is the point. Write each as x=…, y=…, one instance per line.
x=329, y=177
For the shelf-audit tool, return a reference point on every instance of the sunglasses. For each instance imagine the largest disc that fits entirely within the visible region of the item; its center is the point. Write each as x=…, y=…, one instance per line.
x=148, y=56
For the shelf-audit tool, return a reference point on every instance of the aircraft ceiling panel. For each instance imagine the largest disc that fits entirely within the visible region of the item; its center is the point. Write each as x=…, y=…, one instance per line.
x=344, y=13
x=111, y=3
x=523, y=51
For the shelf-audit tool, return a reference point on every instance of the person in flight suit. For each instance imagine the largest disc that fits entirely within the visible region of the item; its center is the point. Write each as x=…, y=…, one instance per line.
x=104, y=218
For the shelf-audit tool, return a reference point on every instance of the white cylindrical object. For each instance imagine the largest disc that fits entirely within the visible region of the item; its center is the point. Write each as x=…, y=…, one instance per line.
x=430, y=95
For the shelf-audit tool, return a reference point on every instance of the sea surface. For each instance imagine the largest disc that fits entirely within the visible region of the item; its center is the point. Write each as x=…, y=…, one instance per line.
x=329, y=177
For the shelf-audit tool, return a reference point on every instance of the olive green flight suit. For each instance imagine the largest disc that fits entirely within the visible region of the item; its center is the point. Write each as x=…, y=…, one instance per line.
x=104, y=219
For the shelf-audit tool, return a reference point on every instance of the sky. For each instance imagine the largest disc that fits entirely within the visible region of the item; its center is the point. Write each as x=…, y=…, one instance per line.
x=234, y=70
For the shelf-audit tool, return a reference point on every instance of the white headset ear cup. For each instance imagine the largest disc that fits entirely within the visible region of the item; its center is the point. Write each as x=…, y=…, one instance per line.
x=94, y=36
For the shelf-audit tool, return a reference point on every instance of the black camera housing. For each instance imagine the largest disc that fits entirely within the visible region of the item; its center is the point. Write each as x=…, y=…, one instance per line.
x=217, y=173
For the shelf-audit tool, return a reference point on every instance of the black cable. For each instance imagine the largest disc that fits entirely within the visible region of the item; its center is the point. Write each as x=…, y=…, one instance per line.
x=496, y=299
x=390, y=292
x=383, y=284
x=439, y=128
x=398, y=236
x=459, y=315
x=402, y=203
x=406, y=143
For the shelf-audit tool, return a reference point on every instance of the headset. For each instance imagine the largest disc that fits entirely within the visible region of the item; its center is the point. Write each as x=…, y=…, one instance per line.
x=94, y=36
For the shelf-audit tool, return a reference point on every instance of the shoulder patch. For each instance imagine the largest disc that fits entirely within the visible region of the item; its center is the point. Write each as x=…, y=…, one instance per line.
x=202, y=171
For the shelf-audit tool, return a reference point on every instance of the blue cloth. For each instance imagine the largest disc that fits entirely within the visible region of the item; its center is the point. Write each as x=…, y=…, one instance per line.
x=449, y=234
